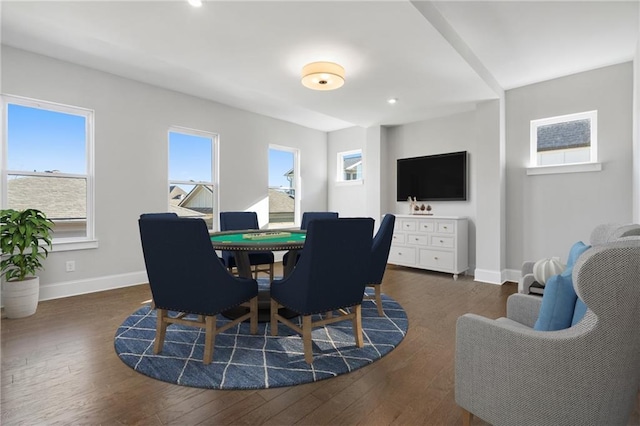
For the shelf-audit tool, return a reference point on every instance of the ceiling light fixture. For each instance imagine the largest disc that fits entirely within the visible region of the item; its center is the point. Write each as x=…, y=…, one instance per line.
x=322, y=76
x=195, y=3
x=392, y=100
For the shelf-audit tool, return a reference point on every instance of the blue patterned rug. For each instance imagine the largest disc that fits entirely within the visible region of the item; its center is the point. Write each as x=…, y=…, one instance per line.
x=245, y=361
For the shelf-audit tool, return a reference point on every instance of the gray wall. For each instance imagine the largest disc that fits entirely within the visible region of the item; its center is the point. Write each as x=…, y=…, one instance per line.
x=131, y=123
x=437, y=136
x=546, y=214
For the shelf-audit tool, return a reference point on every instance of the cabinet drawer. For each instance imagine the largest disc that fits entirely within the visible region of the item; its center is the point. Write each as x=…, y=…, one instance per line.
x=434, y=259
x=402, y=255
x=398, y=239
x=447, y=242
x=427, y=226
x=408, y=225
x=446, y=227
x=421, y=240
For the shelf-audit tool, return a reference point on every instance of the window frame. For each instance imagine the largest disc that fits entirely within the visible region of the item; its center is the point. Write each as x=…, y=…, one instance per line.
x=340, y=180
x=88, y=241
x=296, y=182
x=586, y=166
x=215, y=158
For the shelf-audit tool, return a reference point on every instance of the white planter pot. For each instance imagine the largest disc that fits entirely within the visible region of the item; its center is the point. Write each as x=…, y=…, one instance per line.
x=20, y=298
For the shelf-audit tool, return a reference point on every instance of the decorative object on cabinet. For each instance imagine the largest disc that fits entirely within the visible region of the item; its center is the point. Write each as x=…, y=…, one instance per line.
x=437, y=243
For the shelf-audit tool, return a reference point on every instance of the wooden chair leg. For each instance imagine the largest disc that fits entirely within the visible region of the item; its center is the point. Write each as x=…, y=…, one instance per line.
x=274, y=320
x=253, y=320
x=161, y=330
x=271, y=272
x=306, y=339
x=209, y=339
x=357, y=326
x=466, y=417
x=379, y=299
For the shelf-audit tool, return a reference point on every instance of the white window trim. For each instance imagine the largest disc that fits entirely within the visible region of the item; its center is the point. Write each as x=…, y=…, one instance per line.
x=58, y=244
x=215, y=177
x=340, y=181
x=591, y=166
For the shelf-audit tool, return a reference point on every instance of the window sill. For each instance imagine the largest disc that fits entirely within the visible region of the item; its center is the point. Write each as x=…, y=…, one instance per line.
x=74, y=245
x=350, y=182
x=564, y=168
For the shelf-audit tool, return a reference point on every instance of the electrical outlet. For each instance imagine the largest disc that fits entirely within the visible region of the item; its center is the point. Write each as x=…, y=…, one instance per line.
x=71, y=265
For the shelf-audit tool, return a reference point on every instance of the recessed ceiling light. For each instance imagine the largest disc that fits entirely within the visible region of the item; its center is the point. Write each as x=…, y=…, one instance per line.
x=392, y=100
x=195, y=3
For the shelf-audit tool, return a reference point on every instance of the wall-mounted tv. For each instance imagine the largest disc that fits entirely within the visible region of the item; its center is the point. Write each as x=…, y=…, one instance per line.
x=441, y=177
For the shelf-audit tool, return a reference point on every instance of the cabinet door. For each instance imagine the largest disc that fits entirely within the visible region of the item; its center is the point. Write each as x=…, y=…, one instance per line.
x=398, y=239
x=408, y=225
x=420, y=240
x=446, y=227
x=440, y=241
x=437, y=260
x=402, y=255
x=427, y=226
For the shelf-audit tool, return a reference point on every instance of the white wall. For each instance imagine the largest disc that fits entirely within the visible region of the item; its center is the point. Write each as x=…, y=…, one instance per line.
x=347, y=198
x=448, y=134
x=636, y=133
x=546, y=214
x=131, y=123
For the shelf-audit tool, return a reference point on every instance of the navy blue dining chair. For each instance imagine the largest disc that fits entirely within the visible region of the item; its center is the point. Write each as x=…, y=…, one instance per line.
x=379, y=256
x=307, y=217
x=330, y=276
x=237, y=221
x=187, y=277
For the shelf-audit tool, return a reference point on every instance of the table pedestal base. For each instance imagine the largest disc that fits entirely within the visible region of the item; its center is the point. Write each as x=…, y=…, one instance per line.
x=264, y=309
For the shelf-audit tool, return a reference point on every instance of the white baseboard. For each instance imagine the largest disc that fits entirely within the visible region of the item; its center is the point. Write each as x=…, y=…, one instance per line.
x=513, y=275
x=91, y=285
x=492, y=277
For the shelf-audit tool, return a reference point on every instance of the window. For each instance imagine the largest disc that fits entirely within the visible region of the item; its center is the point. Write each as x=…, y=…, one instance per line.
x=282, y=186
x=567, y=140
x=49, y=165
x=192, y=188
x=350, y=166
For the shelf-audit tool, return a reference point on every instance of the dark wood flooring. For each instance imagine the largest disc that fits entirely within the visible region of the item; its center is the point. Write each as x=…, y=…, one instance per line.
x=59, y=367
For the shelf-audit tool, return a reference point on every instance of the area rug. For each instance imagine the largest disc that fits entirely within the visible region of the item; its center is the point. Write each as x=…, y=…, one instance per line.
x=245, y=361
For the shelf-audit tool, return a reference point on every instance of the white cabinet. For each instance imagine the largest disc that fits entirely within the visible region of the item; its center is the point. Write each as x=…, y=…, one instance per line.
x=438, y=243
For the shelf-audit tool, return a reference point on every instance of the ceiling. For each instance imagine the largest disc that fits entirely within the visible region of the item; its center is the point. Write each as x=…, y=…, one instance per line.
x=436, y=57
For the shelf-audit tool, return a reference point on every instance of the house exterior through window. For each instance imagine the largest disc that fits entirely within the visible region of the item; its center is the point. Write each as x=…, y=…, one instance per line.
x=350, y=166
x=48, y=164
x=564, y=140
x=192, y=185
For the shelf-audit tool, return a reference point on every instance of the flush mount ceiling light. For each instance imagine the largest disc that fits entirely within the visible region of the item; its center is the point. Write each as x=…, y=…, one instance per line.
x=322, y=76
x=195, y=3
x=392, y=100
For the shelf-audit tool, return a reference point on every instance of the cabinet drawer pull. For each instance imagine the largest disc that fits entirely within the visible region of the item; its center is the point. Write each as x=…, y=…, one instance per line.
x=441, y=241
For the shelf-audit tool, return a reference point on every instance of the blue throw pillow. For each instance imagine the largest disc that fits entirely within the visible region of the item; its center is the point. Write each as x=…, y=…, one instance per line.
x=578, y=312
x=576, y=250
x=558, y=303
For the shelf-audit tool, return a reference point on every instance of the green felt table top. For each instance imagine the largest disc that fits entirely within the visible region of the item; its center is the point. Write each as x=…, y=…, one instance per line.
x=234, y=238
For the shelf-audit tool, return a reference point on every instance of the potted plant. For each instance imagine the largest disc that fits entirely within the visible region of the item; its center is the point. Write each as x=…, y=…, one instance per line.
x=21, y=235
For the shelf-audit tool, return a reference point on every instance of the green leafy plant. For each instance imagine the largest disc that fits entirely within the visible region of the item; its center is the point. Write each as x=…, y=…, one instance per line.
x=20, y=236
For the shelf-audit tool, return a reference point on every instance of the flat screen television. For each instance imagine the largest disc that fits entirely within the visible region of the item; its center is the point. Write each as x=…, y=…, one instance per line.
x=441, y=177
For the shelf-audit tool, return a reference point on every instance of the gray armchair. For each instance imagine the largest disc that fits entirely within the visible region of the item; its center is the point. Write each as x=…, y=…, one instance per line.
x=507, y=373
x=601, y=234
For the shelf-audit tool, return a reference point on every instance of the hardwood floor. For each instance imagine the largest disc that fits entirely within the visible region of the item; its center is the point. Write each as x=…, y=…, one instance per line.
x=59, y=366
